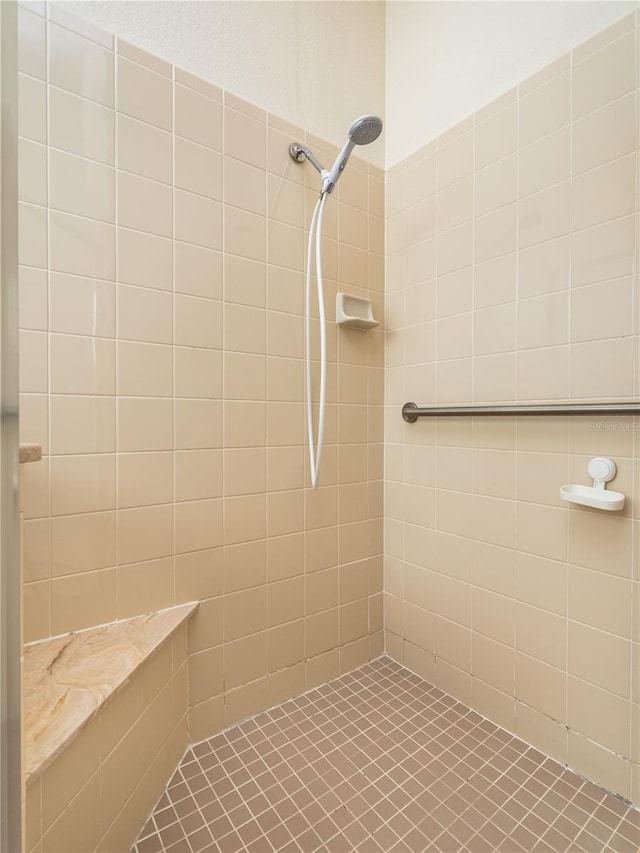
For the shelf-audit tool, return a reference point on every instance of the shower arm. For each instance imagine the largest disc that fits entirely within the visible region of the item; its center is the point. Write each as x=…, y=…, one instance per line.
x=300, y=152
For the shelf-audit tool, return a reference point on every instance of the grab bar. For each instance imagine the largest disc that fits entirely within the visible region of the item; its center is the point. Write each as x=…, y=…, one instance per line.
x=411, y=411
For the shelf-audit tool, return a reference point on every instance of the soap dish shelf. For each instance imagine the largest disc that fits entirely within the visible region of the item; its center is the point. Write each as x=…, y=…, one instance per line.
x=601, y=469
x=592, y=496
x=354, y=312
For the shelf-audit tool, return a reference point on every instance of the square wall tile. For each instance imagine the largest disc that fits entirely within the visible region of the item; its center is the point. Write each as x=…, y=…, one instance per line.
x=143, y=94
x=198, y=118
x=81, y=66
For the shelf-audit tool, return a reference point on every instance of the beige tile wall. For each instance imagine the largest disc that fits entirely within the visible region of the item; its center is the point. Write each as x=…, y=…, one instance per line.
x=98, y=793
x=162, y=247
x=511, y=277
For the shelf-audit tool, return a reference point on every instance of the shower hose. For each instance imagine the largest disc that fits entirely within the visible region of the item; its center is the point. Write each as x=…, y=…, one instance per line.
x=315, y=448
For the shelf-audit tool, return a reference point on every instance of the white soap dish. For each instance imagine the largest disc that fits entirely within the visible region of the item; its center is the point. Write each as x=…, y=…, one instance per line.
x=602, y=470
x=591, y=496
x=354, y=312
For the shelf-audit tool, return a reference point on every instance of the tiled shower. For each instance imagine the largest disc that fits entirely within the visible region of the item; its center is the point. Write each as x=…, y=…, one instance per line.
x=162, y=249
x=161, y=423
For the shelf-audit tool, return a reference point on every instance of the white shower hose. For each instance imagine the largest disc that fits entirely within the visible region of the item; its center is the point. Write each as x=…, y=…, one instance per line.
x=315, y=453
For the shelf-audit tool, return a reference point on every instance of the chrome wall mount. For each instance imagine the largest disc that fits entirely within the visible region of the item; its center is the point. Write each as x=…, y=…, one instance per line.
x=411, y=411
x=299, y=153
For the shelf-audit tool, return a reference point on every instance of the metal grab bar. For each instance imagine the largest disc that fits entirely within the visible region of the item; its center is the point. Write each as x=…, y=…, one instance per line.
x=411, y=411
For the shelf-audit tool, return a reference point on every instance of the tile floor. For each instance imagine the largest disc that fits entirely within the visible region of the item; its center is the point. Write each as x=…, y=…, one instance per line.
x=380, y=760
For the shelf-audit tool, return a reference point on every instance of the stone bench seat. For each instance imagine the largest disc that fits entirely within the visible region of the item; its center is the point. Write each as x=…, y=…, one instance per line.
x=104, y=716
x=68, y=679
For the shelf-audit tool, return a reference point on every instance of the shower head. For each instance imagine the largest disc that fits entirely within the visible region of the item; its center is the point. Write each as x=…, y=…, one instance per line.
x=364, y=130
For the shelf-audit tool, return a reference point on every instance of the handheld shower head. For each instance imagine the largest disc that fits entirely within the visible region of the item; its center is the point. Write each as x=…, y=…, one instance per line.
x=364, y=130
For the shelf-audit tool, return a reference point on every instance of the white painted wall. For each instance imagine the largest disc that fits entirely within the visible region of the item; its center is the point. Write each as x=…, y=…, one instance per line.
x=445, y=60
x=316, y=64
x=321, y=63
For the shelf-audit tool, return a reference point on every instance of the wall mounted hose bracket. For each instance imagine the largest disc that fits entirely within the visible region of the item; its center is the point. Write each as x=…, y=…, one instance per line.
x=601, y=469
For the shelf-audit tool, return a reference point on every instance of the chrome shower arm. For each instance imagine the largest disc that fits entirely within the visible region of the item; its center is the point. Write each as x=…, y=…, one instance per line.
x=301, y=152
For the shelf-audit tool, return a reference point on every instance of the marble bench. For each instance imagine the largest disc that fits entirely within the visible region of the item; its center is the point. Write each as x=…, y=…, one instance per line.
x=104, y=716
